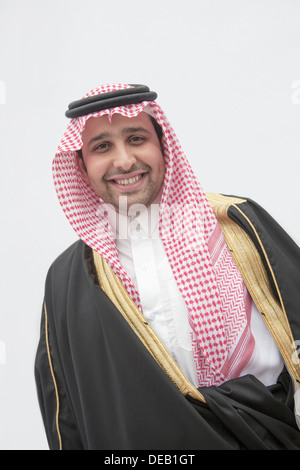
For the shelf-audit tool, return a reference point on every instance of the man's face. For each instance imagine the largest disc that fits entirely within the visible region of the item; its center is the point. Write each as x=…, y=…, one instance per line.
x=122, y=158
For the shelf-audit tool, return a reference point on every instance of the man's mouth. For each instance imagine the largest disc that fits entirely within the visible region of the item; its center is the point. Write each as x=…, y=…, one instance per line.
x=128, y=181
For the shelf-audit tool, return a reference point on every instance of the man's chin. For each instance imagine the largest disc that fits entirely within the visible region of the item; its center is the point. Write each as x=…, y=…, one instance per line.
x=129, y=204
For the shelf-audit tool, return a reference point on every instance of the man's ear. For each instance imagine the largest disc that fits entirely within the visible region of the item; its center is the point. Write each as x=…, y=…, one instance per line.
x=82, y=167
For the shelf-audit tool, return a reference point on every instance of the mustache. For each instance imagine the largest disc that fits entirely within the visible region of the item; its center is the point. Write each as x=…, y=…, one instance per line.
x=134, y=168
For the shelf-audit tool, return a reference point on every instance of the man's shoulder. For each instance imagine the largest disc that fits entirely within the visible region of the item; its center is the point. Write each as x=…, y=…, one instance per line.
x=67, y=254
x=228, y=201
x=227, y=205
x=252, y=217
x=62, y=264
x=216, y=199
x=66, y=269
x=239, y=209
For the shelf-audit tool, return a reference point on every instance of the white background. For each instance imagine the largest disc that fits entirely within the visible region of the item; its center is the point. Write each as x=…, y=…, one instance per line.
x=228, y=77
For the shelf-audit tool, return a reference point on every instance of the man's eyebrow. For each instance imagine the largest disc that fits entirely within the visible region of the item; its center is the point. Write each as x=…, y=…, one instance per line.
x=104, y=135
x=125, y=131
x=130, y=130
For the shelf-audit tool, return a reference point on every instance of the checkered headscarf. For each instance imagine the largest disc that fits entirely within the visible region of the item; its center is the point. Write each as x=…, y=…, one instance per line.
x=211, y=285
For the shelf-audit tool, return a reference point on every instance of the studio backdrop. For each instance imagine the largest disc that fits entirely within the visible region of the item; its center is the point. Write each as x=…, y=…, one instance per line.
x=227, y=74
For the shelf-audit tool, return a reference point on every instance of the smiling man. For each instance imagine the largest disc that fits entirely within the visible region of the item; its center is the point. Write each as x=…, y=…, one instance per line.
x=178, y=334
x=122, y=158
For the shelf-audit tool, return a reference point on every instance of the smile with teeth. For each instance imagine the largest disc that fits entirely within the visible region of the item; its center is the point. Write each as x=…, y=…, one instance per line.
x=128, y=181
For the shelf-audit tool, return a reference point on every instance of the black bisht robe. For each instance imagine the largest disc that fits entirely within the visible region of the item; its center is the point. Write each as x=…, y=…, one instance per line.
x=100, y=389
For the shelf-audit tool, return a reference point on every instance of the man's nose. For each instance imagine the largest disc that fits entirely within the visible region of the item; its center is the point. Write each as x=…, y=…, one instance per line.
x=124, y=158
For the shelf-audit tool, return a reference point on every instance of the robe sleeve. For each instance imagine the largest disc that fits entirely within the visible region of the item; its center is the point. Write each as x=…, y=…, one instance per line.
x=61, y=433
x=297, y=403
x=259, y=417
x=94, y=397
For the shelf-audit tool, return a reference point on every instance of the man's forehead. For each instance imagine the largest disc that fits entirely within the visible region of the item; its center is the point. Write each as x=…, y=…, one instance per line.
x=116, y=123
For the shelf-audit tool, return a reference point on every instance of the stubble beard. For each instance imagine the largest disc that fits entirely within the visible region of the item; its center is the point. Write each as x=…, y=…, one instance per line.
x=123, y=201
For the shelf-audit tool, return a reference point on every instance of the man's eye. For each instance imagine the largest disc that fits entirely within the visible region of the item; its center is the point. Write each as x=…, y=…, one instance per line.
x=136, y=139
x=102, y=146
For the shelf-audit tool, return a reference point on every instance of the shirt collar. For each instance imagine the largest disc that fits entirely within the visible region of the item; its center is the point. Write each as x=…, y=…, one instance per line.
x=144, y=224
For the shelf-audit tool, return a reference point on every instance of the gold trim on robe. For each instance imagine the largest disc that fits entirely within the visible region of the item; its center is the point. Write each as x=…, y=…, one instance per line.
x=53, y=377
x=256, y=280
x=115, y=290
x=254, y=274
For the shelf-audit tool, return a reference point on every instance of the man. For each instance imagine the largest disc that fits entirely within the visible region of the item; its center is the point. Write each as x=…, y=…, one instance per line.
x=173, y=322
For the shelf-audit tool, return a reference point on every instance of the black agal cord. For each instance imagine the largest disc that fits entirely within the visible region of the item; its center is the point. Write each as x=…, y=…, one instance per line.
x=111, y=99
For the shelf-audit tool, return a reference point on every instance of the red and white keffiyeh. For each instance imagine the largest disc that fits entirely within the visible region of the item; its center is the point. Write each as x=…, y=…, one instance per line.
x=218, y=304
